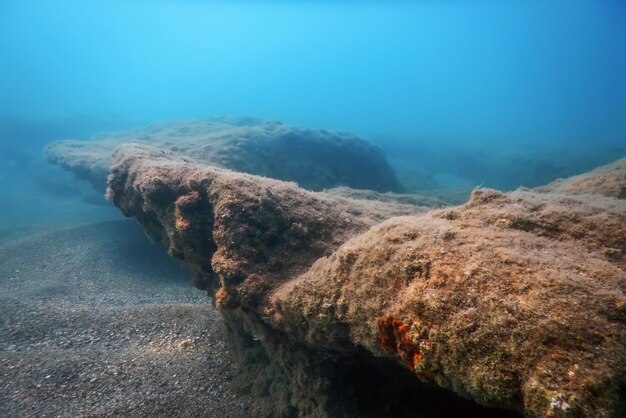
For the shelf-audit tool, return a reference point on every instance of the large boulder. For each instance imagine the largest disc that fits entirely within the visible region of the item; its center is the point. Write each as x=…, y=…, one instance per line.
x=512, y=300
x=314, y=158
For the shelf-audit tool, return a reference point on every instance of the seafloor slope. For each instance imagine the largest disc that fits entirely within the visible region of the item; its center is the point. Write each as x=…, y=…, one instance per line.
x=314, y=158
x=513, y=300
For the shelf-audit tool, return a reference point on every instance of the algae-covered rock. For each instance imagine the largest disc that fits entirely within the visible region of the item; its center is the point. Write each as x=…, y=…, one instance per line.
x=608, y=180
x=512, y=300
x=314, y=158
x=253, y=232
x=413, y=199
x=484, y=299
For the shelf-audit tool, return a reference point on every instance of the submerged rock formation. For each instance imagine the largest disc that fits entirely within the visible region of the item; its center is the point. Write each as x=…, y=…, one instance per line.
x=512, y=300
x=314, y=158
x=608, y=180
x=389, y=197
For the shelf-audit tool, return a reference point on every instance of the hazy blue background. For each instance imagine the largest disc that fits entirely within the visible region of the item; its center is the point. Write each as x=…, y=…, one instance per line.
x=494, y=92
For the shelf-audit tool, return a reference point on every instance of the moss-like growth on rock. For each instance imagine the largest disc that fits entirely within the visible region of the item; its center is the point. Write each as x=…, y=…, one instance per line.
x=512, y=300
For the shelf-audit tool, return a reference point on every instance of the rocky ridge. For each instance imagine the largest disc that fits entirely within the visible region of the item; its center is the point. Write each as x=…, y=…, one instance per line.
x=512, y=300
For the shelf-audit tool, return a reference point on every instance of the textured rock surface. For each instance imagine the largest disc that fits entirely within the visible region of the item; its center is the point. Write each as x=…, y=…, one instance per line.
x=513, y=300
x=608, y=180
x=314, y=158
x=389, y=197
x=279, y=229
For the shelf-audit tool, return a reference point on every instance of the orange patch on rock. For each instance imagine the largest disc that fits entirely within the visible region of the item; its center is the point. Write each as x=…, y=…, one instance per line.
x=182, y=223
x=394, y=337
x=221, y=297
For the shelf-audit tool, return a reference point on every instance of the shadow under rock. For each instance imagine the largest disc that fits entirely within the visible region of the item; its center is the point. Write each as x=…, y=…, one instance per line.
x=126, y=248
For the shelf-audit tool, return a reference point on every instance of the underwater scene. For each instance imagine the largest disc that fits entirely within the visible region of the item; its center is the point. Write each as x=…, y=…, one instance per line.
x=313, y=208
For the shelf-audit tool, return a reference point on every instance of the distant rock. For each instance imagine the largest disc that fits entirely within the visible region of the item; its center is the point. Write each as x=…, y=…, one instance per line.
x=413, y=199
x=512, y=300
x=608, y=180
x=313, y=158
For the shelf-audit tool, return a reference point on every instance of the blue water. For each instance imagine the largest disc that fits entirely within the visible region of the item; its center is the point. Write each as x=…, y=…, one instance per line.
x=499, y=93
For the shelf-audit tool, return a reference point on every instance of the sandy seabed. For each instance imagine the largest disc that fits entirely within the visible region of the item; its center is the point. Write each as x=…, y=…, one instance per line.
x=96, y=321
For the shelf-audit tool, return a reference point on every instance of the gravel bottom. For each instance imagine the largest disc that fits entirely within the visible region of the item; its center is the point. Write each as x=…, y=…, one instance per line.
x=96, y=321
